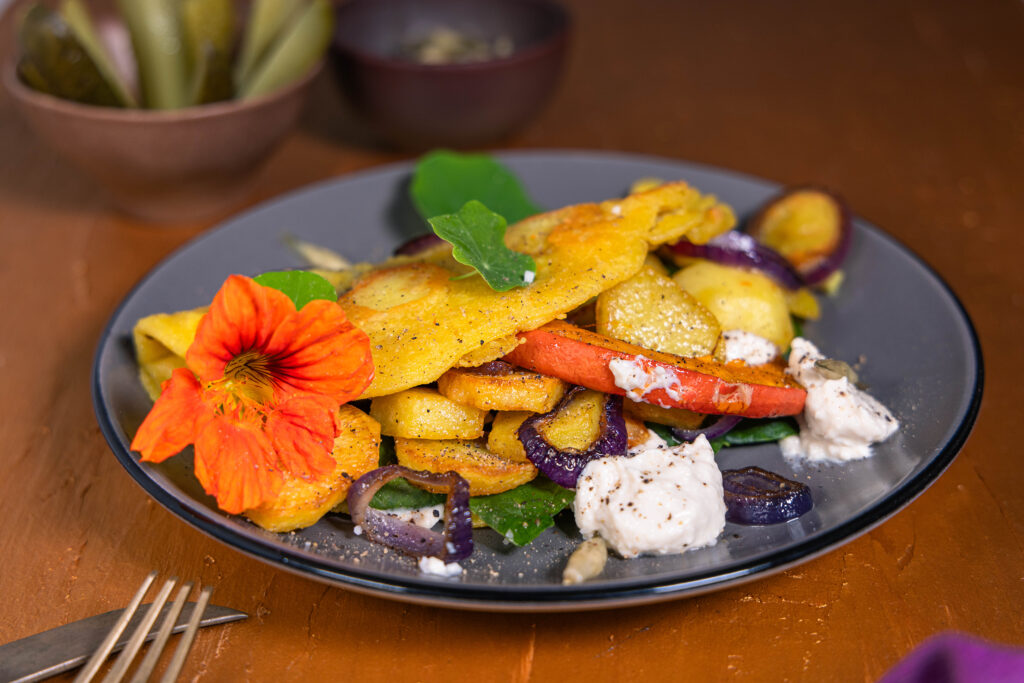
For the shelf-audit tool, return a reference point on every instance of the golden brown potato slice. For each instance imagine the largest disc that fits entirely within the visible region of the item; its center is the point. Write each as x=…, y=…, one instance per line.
x=740, y=299
x=503, y=439
x=424, y=322
x=652, y=311
x=636, y=431
x=486, y=472
x=161, y=341
x=500, y=386
x=423, y=413
x=803, y=304
x=577, y=424
x=301, y=502
x=488, y=351
x=672, y=417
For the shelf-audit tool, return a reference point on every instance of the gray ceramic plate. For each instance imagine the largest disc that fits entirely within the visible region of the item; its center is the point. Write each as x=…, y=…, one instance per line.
x=922, y=360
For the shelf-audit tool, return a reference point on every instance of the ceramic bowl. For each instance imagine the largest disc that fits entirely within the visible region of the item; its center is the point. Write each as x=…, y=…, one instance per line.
x=417, y=106
x=166, y=166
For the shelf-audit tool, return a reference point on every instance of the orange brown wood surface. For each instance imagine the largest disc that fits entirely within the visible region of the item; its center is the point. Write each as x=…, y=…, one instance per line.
x=913, y=109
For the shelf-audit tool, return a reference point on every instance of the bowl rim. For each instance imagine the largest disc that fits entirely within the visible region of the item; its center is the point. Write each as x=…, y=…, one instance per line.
x=552, y=43
x=40, y=100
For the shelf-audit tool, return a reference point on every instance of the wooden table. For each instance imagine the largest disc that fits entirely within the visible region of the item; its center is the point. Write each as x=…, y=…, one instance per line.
x=914, y=109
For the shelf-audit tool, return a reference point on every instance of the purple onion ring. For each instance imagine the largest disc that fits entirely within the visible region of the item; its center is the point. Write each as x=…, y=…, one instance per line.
x=756, y=496
x=813, y=272
x=456, y=543
x=740, y=249
x=564, y=466
x=718, y=428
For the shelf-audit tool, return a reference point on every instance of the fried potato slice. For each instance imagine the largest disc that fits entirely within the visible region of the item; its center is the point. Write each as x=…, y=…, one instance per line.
x=486, y=472
x=636, y=431
x=423, y=413
x=488, y=351
x=302, y=502
x=671, y=417
x=161, y=341
x=503, y=439
x=803, y=304
x=652, y=311
x=580, y=251
x=577, y=424
x=740, y=299
x=500, y=386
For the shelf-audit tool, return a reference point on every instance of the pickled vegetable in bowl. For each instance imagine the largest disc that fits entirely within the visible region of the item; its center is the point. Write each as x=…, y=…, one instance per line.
x=182, y=52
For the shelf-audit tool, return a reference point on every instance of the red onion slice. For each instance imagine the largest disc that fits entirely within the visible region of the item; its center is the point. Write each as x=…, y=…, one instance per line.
x=718, y=428
x=739, y=249
x=814, y=269
x=756, y=496
x=456, y=543
x=564, y=466
x=418, y=244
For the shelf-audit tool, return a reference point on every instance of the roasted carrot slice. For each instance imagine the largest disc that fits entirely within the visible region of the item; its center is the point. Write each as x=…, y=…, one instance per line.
x=703, y=385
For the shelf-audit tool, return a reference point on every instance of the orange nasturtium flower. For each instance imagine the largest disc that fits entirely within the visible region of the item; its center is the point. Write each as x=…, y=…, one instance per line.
x=259, y=398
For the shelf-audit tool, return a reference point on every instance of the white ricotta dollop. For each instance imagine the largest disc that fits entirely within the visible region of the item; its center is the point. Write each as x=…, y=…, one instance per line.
x=659, y=501
x=437, y=567
x=637, y=378
x=839, y=422
x=425, y=517
x=748, y=347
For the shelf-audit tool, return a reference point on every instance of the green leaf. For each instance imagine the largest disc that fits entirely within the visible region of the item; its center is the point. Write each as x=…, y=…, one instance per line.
x=477, y=235
x=301, y=286
x=751, y=432
x=399, y=493
x=664, y=432
x=386, y=451
x=444, y=181
x=746, y=433
x=524, y=512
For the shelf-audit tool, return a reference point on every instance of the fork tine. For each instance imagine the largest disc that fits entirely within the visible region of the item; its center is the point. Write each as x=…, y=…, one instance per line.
x=156, y=648
x=94, y=663
x=185, y=644
x=131, y=648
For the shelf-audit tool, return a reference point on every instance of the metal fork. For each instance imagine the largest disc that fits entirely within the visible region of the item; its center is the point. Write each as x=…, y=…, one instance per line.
x=131, y=649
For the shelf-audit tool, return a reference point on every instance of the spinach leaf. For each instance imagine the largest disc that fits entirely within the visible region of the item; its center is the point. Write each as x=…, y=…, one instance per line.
x=524, y=512
x=301, y=286
x=444, y=181
x=664, y=432
x=477, y=237
x=399, y=493
x=756, y=431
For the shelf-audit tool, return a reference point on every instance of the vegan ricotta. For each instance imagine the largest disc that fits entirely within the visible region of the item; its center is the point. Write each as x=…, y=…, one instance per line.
x=839, y=422
x=425, y=517
x=658, y=500
x=437, y=567
x=637, y=380
x=748, y=347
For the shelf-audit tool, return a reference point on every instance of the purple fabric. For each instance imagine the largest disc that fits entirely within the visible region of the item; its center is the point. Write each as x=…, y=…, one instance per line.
x=956, y=658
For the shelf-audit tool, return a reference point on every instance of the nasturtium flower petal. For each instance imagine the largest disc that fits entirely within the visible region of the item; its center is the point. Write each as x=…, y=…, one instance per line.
x=260, y=395
x=303, y=430
x=243, y=317
x=317, y=350
x=173, y=421
x=235, y=462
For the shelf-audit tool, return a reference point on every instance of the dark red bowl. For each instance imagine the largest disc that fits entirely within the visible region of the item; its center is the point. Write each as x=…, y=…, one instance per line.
x=420, y=106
